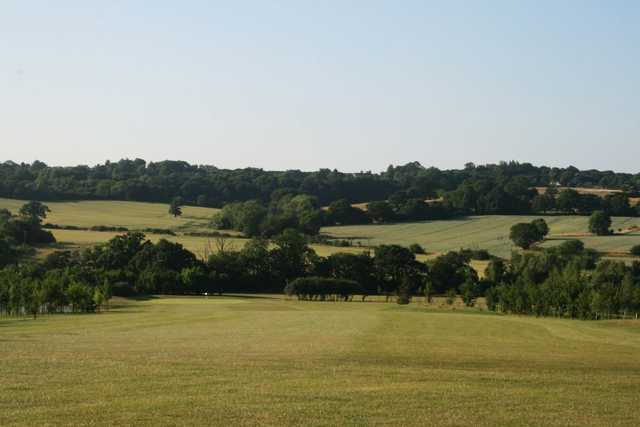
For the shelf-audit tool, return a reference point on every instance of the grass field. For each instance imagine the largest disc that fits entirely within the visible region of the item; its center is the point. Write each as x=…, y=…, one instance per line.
x=133, y=215
x=270, y=361
x=75, y=239
x=482, y=232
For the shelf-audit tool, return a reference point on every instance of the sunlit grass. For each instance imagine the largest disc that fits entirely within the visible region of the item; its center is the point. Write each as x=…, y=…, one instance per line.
x=489, y=232
x=272, y=361
x=476, y=232
x=133, y=215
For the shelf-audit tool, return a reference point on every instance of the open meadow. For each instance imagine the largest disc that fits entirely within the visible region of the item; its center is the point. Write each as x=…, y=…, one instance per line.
x=489, y=232
x=199, y=245
x=132, y=215
x=271, y=361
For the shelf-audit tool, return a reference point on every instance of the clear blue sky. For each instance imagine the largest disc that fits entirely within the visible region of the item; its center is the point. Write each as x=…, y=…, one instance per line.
x=353, y=85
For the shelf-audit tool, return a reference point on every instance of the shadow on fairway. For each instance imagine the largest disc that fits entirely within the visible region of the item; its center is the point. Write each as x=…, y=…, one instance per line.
x=250, y=296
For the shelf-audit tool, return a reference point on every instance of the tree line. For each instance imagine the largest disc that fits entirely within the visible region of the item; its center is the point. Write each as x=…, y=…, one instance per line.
x=304, y=213
x=495, y=188
x=568, y=281
x=129, y=265
x=565, y=281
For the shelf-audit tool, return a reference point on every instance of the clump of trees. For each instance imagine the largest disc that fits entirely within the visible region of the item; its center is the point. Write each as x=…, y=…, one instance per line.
x=285, y=211
x=401, y=208
x=18, y=233
x=566, y=281
x=323, y=288
x=129, y=264
x=599, y=223
x=33, y=290
x=26, y=227
x=524, y=235
x=341, y=212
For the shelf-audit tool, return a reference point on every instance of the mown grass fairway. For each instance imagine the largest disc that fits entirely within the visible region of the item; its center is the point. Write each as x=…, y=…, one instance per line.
x=489, y=232
x=263, y=361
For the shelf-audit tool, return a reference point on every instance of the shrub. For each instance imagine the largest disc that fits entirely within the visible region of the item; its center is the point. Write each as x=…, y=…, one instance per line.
x=417, y=249
x=525, y=234
x=451, y=296
x=26, y=232
x=164, y=231
x=571, y=247
x=207, y=234
x=108, y=228
x=311, y=288
x=477, y=254
x=490, y=299
x=635, y=250
x=62, y=227
x=404, y=291
x=428, y=291
x=599, y=223
x=541, y=225
x=469, y=293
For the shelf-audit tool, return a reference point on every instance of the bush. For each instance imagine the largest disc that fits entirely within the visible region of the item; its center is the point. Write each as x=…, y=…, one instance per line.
x=108, y=228
x=599, y=223
x=635, y=250
x=451, y=296
x=311, y=288
x=208, y=234
x=417, y=249
x=26, y=232
x=469, y=293
x=481, y=255
x=477, y=254
x=525, y=234
x=62, y=227
x=571, y=247
x=41, y=236
x=164, y=231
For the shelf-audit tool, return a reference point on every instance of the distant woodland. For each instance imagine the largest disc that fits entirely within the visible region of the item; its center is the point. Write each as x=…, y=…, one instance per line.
x=138, y=180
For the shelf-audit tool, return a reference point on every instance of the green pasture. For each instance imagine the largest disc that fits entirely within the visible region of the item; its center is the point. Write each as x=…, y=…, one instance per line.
x=241, y=361
x=475, y=232
x=482, y=232
x=75, y=239
x=132, y=215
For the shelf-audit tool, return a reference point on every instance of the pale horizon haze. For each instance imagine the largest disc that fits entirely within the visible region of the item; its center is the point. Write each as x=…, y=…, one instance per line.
x=352, y=85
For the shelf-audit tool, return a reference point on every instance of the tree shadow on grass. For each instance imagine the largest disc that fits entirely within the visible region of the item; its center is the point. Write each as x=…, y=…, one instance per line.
x=250, y=296
x=141, y=297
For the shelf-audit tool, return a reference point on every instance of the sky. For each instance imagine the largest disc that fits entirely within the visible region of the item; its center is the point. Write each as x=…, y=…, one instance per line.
x=352, y=85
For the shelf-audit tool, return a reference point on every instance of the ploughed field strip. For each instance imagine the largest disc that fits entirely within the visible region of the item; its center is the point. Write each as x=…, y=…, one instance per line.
x=271, y=361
